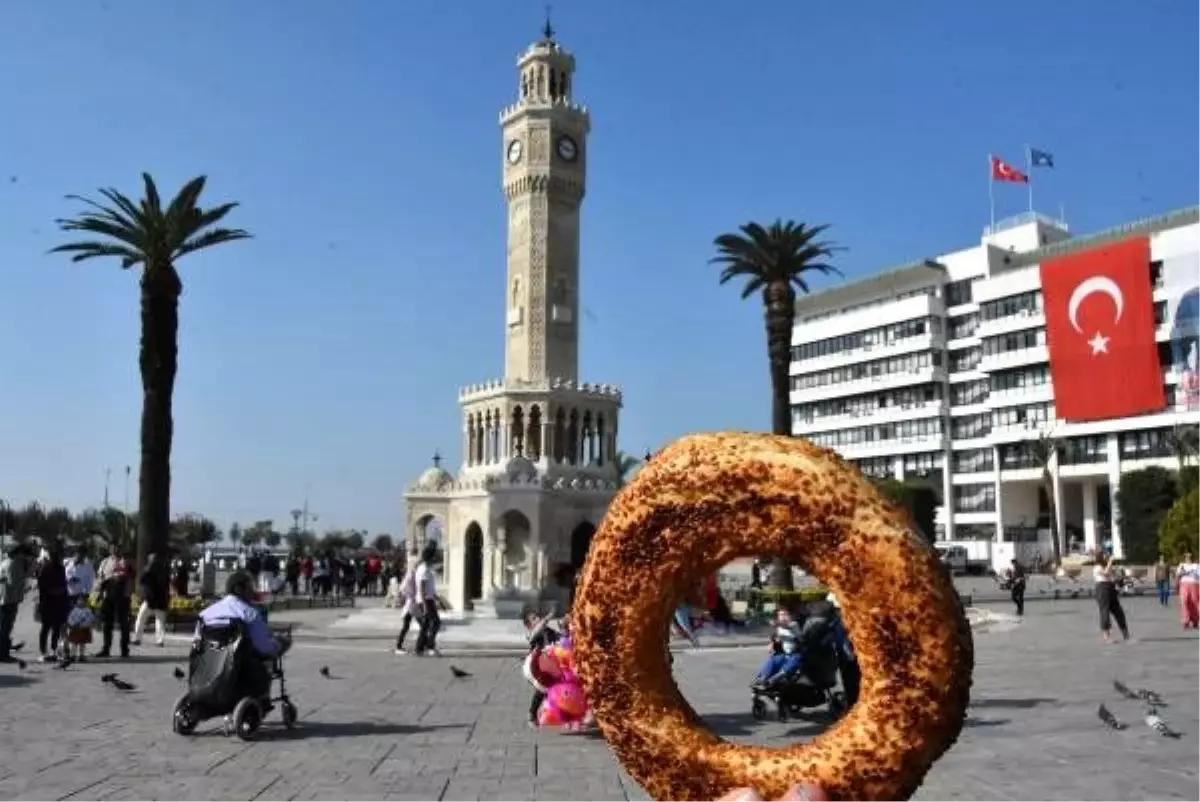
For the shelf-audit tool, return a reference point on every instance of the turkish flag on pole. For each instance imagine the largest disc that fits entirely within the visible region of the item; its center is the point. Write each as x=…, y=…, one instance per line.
x=1003, y=171
x=1100, y=332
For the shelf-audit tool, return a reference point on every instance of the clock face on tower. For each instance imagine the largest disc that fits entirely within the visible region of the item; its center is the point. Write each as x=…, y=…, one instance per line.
x=515, y=149
x=568, y=151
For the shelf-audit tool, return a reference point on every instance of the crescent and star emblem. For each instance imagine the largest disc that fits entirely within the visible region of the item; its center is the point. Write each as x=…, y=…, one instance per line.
x=1088, y=287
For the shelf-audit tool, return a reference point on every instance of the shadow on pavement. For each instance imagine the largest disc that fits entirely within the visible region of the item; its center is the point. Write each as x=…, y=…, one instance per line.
x=16, y=680
x=971, y=721
x=346, y=729
x=1015, y=703
x=743, y=724
x=1167, y=639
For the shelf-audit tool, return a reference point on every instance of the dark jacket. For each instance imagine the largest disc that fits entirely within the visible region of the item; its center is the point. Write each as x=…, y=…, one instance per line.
x=155, y=585
x=52, y=592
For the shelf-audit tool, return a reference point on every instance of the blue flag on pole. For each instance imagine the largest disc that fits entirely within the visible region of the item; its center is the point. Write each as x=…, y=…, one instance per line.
x=1040, y=158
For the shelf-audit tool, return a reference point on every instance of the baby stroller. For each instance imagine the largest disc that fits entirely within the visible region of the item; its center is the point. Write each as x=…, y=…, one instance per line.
x=227, y=678
x=819, y=682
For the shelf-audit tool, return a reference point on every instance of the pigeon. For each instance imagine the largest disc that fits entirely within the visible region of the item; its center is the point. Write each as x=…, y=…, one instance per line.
x=1150, y=697
x=1110, y=721
x=179, y=673
x=1123, y=689
x=1158, y=725
x=325, y=672
x=116, y=682
x=63, y=664
x=459, y=673
x=21, y=664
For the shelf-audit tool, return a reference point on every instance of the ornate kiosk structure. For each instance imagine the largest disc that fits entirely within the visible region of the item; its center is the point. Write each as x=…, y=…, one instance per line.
x=539, y=446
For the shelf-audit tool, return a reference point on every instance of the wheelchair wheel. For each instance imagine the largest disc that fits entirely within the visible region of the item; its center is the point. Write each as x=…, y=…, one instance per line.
x=758, y=709
x=247, y=718
x=183, y=716
x=838, y=704
x=288, y=711
x=782, y=715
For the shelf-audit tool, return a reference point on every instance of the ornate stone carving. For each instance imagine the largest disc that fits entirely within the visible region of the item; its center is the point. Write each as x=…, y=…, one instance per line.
x=539, y=146
x=538, y=229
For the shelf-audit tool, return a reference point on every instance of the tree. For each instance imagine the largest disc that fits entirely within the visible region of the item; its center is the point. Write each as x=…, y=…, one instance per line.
x=1180, y=530
x=1184, y=442
x=355, y=539
x=31, y=521
x=235, y=534
x=1143, y=499
x=383, y=544
x=1045, y=450
x=917, y=498
x=776, y=261
x=194, y=530
x=273, y=538
x=58, y=523
x=148, y=235
x=257, y=533
x=627, y=465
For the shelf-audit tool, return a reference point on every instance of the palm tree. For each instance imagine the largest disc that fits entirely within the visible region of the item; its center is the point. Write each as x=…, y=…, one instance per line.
x=1044, y=450
x=148, y=235
x=776, y=260
x=626, y=466
x=1184, y=442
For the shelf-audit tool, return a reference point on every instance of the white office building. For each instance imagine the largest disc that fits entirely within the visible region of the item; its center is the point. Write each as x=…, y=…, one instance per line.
x=939, y=369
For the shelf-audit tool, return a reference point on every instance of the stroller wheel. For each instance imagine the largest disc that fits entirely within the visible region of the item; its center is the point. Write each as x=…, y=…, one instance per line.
x=183, y=717
x=288, y=711
x=783, y=712
x=758, y=709
x=838, y=704
x=247, y=717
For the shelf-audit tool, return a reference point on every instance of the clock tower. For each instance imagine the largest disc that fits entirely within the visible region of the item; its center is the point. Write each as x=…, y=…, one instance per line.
x=544, y=147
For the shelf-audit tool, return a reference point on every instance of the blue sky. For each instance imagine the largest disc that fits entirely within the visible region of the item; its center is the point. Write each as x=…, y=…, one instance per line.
x=361, y=138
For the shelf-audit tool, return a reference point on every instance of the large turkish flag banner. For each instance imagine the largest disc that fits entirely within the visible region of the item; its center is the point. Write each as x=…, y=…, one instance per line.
x=1100, y=332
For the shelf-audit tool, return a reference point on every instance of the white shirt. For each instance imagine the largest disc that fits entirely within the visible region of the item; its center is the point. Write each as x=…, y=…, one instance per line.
x=1101, y=574
x=81, y=577
x=1188, y=572
x=426, y=583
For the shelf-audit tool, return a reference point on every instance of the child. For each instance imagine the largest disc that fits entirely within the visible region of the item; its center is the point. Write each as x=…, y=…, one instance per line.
x=785, y=654
x=79, y=630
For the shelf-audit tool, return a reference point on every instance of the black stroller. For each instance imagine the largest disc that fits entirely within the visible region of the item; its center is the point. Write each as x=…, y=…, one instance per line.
x=227, y=678
x=821, y=681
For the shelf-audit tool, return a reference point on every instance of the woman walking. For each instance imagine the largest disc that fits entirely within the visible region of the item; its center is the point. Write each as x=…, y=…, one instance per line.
x=52, y=602
x=1189, y=592
x=155, y=585
x=1107, y=598
x=1162, y=580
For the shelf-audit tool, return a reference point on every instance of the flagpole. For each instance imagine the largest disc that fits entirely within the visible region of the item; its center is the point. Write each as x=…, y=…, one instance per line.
x=1029, y=174
x=991, y=194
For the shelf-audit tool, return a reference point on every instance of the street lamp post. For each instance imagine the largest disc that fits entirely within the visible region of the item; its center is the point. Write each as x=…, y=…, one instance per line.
x=107, y=476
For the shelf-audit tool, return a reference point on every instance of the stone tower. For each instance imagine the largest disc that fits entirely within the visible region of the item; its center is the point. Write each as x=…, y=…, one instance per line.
x=545, y=156
x=539, y=446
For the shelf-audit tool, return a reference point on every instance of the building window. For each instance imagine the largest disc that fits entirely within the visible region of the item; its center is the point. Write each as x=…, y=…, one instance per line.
x=1023, y=304
x=1019, y=380
x=974, y=460
x=1085, y=450
x=876, y=369
x=878, y=337
x=930, y=292
x=1147, y=444
x=964, y=359
x=877, y=467
x=1017, y=456
x=1028, y=416
x=869, y=404
x=905, y=431
x=975, y=498
x=964, y=393
x=1014, y=341
x=963, y=325
x=970, y=427
x=974, y=531
x=958, y=292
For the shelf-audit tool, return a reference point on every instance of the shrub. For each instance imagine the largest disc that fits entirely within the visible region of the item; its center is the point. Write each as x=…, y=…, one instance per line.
x=1143, y=499
x=1180, y=530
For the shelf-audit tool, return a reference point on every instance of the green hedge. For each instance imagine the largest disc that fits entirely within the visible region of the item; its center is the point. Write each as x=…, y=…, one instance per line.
x=1178, y=534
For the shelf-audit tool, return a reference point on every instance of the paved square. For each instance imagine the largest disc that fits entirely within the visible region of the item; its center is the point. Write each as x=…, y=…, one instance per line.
x=403, y=728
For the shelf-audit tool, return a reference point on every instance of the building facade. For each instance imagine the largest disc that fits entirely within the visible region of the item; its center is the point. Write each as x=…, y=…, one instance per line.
x=539, y=446
x=947, y=369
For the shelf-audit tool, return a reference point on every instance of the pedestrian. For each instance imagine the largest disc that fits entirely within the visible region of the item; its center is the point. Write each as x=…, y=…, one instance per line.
x=1162, y=580
x=306, y=573
x=1108, y=599
x=425, y=594
x=154, y=585
x=116, y=586
x=254, y=567
x=52, y=602
x=1189, y=591
x=13, y=576
x=408, y=597
x=81, y=576
x=291, y=572
x=320, y=576
x=79, y=629
x=182, y=578
x=1017, y=579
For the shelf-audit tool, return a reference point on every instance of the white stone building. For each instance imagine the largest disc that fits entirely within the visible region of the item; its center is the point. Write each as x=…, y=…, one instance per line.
x=539, y=445
x=940, y=369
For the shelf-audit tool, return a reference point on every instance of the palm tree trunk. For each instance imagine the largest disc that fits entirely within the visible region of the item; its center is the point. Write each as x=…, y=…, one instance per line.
x=1055, y=546
x=159, y=362
x=780, y=301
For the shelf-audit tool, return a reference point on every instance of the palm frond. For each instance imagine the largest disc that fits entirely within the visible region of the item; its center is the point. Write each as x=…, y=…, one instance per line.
x=90, y=250
x=98, y=224
x=136, y=218
x=151, y=203
x=185, y=199
x=207, y=239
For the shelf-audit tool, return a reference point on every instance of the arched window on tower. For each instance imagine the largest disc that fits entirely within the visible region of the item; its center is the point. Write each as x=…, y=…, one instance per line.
x=564, y=86
x=533, y=434
x=587, y=440
x=573, y=438
x=601, y=443
x=559, y=438
x=524, y=85
x=553, y=84
x=517, y=433
x=541, y=82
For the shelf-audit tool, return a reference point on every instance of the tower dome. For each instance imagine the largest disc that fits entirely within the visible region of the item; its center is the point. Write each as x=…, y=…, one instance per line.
x=435, y=478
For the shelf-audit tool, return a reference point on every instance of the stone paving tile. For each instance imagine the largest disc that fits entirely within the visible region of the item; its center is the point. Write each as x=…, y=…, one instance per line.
x=402, y=728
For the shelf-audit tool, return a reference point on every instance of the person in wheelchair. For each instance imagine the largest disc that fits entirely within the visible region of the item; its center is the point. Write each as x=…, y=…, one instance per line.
x=786, y=656
x=236, y=610
x=806, y=657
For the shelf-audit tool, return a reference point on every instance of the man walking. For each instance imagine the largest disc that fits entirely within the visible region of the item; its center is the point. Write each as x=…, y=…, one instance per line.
x=425, y=595
x=408, y=592
x=116, y=586
x=155, y=587
x=1016, y=576
x=13, y=576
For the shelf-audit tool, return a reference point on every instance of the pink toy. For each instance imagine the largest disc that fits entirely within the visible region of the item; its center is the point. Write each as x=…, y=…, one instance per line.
x=552, y=671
